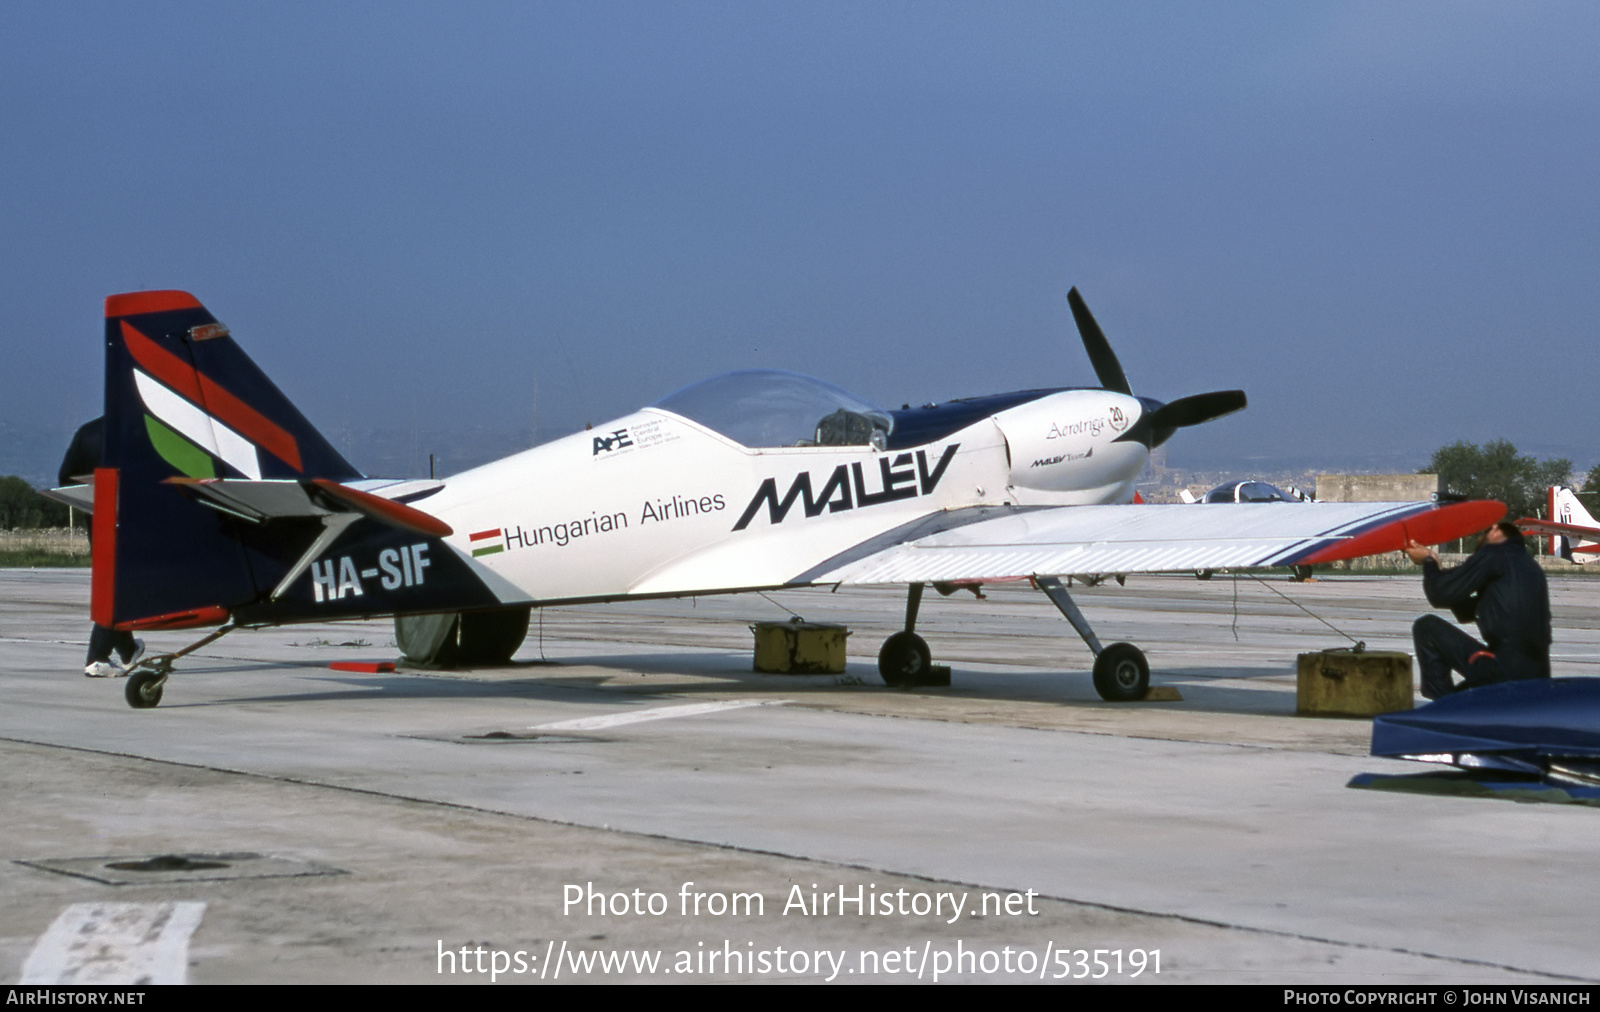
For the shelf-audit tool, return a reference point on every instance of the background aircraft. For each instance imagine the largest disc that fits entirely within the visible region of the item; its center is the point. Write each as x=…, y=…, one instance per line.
x=1248, y=490
x=1251, y=490
x=1574, y=534
x=218, y=504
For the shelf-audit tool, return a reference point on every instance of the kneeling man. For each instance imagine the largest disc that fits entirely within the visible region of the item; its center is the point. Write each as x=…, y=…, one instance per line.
x=1503, y=589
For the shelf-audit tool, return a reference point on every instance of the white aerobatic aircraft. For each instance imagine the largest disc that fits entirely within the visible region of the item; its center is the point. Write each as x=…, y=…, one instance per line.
x=218, y=504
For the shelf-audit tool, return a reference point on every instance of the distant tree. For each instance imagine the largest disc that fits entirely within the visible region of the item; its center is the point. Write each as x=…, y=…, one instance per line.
x=1591, y=486
x=22, y=507
x=1496, y=471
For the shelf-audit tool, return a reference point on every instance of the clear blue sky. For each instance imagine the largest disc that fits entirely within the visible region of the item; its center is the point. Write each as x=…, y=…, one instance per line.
x=1378, y=219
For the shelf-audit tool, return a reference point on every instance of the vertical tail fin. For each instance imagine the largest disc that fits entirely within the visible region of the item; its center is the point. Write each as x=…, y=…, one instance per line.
x=1565, y=508
x=182, y=400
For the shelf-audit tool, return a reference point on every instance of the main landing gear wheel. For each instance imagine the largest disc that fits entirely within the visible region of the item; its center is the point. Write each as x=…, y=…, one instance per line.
x=144, y=688
x=904, y=659
x=1121, y=674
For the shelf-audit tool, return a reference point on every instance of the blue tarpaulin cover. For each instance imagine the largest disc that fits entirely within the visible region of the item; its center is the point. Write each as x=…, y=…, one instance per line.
x=1540, y=735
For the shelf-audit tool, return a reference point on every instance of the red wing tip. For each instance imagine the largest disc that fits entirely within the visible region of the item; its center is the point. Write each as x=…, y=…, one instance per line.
x=363, y=667
x=1444, y=522
x=134, y=303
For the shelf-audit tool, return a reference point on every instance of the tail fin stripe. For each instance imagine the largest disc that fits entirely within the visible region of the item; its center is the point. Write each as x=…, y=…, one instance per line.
x=103, y=574
x=201, y=389
x=135, y=303
x=1555, y=543
x=192, y=423
x=177, y=451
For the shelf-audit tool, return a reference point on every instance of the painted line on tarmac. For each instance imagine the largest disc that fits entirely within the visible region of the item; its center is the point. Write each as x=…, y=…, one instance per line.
x=115, y=943
x=654, y=713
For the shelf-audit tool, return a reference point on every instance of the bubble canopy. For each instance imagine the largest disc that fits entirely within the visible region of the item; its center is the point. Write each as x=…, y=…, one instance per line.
x=773, y=407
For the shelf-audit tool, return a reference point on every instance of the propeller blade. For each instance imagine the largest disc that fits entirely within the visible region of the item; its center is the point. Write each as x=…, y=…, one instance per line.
x=1196, y=408
x=1104, y=360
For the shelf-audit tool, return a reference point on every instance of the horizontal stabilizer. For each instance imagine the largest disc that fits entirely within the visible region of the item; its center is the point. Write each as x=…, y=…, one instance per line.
x=1533, y=525
x=261, y=501
x=79, y=497
x=385, y=511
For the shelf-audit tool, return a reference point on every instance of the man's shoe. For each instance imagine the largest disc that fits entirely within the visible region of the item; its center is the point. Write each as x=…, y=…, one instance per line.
x=133, y=658
x=105, y=669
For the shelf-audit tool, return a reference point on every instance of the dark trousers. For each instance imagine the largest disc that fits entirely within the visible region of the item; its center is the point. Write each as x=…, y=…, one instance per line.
x=1442, y=648
x=103, y=640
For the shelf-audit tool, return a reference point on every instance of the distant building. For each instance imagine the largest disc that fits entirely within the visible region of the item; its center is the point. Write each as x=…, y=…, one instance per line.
x=1378, y=487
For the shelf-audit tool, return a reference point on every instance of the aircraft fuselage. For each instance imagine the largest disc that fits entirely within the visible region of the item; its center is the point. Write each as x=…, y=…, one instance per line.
x=654, y=503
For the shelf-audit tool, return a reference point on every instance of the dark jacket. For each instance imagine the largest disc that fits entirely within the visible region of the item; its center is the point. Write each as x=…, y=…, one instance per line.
x=85, y=453
x=83, y=456
x=1504, y=590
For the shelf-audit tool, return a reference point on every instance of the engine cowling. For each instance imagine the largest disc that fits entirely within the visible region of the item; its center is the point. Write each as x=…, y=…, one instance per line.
x=1067, y=443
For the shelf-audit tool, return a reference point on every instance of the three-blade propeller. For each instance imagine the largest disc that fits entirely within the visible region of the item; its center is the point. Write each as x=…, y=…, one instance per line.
x=1159, y=421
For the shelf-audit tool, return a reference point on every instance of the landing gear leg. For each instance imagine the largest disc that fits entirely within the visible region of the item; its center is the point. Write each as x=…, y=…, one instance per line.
x=1121, y=673
x=905, y=659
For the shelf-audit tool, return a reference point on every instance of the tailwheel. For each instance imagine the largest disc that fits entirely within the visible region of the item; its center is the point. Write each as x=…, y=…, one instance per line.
x=150, y=677
x=1121, y=673
x=144, y=687
x=904, y=659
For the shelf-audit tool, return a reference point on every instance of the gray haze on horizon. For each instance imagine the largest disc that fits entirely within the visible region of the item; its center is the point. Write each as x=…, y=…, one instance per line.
x=1377, y=219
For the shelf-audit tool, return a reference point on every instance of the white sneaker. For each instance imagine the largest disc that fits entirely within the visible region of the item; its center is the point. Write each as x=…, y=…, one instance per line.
x=133, y=659
x=105, y=669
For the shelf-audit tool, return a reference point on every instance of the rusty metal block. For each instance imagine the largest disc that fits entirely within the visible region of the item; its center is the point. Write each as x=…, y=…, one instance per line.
x=799, y=648
x=1346, y=684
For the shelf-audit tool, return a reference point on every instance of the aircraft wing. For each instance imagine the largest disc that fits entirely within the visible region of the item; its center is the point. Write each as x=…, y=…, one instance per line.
x=1535, y=526
x=997, y=543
